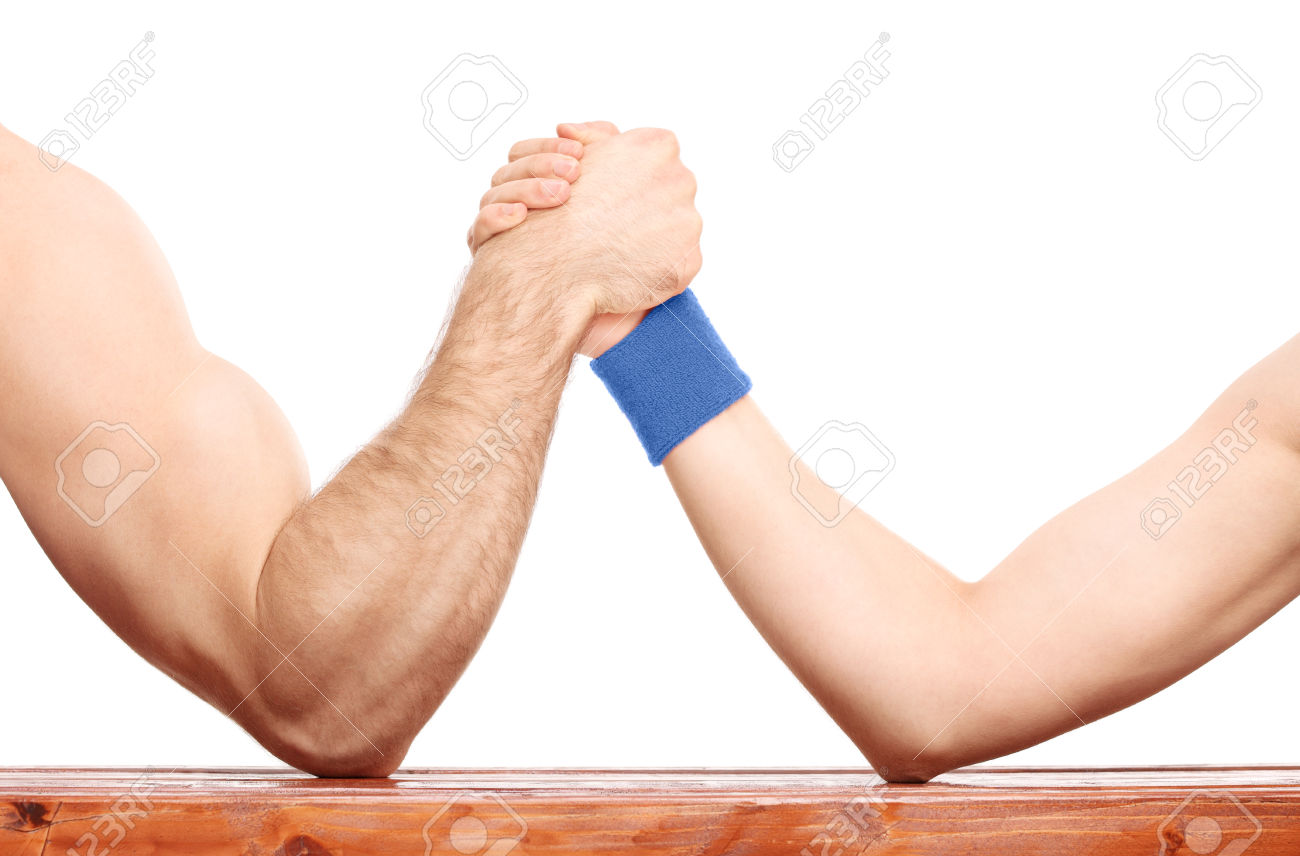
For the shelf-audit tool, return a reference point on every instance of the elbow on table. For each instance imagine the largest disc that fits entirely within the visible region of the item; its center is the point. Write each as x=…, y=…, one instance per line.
x=897, y=761
x=319, y=746
x=909, y=770
x=328, y=762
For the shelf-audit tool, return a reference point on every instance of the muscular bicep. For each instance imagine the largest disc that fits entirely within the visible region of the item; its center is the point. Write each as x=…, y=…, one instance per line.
x=154, y=475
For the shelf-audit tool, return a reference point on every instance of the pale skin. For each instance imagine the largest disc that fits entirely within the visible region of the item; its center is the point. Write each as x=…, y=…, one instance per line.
x=926, y=672
x=320, y=622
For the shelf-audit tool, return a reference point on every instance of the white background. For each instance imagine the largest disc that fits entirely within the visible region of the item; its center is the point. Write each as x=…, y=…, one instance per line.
x=997, y=262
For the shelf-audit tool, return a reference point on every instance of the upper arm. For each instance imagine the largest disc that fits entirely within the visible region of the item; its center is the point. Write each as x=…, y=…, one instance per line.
x=154, y=475
x=1154, y=575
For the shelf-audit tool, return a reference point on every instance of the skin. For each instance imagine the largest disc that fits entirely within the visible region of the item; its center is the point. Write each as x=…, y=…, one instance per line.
x=319, y=622
x=1090, y=614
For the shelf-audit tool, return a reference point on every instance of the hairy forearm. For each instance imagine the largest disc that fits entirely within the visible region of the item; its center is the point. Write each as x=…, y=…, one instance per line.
x=382, y=586
x=926, y=672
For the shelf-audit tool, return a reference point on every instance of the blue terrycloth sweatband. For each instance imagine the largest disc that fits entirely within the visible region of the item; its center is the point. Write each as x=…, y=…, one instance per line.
x=671, y=375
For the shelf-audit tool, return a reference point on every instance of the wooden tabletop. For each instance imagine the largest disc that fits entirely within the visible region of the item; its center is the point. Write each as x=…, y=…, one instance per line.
x=1184, y=811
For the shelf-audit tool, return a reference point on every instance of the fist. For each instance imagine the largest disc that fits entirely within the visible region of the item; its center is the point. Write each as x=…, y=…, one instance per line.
x=626, y=238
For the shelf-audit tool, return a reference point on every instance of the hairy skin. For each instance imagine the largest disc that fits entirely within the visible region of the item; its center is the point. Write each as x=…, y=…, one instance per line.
x=321, y=624
x=1090, y=614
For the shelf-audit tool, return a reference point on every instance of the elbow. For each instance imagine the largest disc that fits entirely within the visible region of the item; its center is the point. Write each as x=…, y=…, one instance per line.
x=329, y=762
x=908, y=753
x=329, y=747
x=903, y=770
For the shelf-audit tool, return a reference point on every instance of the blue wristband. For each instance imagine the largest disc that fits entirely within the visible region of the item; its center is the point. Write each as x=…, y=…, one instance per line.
x=671, y=375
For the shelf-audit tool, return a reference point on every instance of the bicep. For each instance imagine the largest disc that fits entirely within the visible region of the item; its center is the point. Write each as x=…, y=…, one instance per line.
x=154, y=475
x=1159, y=572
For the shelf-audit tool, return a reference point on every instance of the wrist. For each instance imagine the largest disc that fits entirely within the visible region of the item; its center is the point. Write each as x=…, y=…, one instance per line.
x=525, y=301
x=671, y=375
x=608, y=330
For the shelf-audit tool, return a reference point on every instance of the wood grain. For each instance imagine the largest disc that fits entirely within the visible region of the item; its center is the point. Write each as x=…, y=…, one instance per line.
x=1184, y=811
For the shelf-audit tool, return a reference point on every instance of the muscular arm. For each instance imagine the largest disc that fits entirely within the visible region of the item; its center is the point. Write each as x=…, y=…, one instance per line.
x=322, y=624
x=1089, y=615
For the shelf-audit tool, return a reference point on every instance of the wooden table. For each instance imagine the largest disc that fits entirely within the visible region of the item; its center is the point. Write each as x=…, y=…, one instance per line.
x=1185, y=811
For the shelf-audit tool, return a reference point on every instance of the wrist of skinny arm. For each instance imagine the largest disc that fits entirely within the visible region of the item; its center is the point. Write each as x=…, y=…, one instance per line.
x=671, y=375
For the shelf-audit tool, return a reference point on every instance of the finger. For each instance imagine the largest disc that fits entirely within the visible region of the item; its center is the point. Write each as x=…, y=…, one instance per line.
x=586, y=132
x=533, y=192
x=543, y=145
x=492, y=220
x=539, y=166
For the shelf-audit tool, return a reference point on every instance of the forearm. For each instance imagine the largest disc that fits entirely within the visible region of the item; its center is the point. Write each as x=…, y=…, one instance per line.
x=329, y=626
x=851, y=609
x=1090, y=614
x=382, y=586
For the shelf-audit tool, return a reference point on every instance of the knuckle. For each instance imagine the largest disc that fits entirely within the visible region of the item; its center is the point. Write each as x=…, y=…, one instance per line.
x=551, y=162
x=563, y=165
x=689, y=182
x=655, y=136
x=535, y=190
x=548, y=165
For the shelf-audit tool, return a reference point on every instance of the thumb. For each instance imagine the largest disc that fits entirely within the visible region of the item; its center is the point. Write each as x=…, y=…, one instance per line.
x=586, y=132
